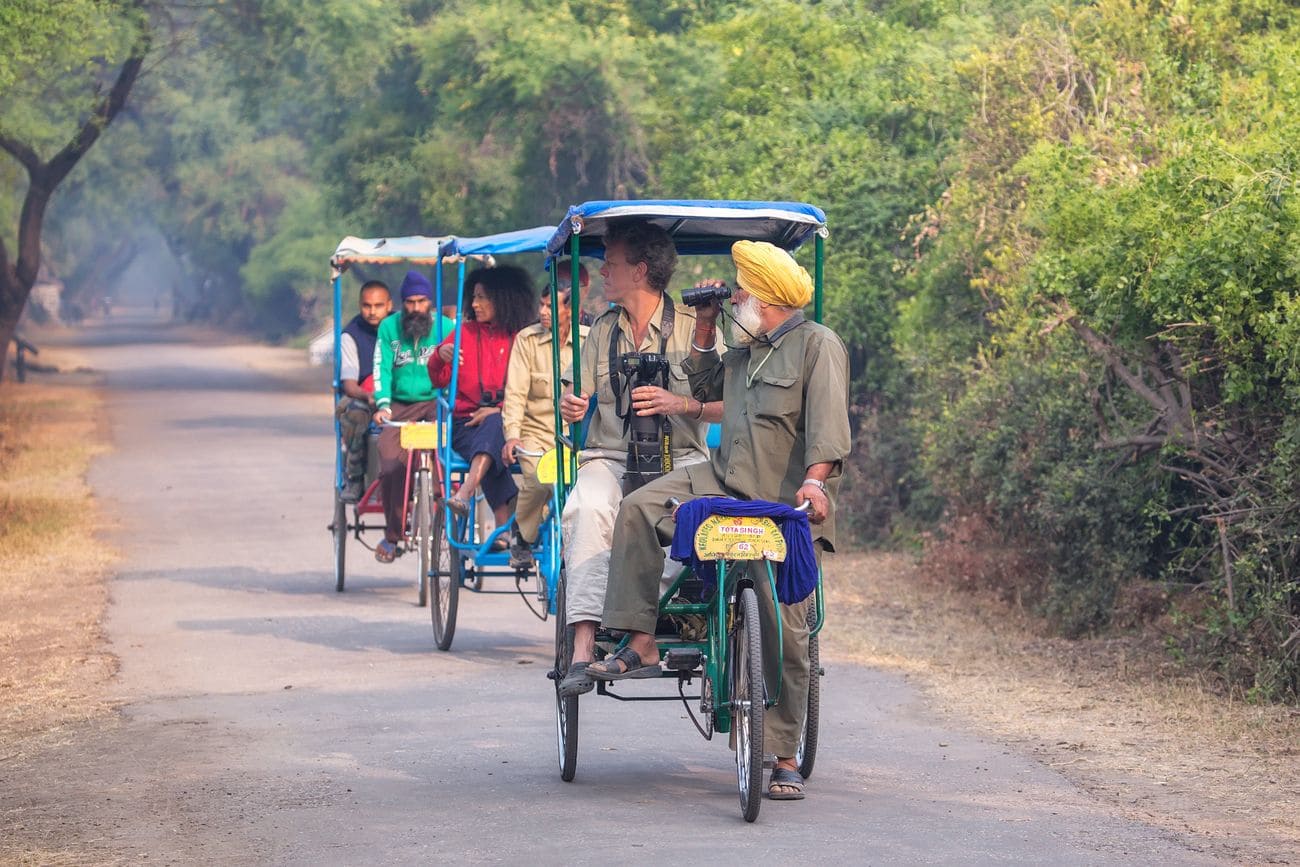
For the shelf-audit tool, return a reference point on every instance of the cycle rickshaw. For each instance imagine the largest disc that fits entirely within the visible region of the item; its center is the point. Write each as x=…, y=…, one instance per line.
x=420, y=439
x=462, y=550
x=726, y=656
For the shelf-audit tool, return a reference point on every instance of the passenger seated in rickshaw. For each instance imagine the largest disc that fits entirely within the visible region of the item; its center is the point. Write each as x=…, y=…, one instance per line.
x=528, y=413
x=644, y=323
x=785, y=435
x=356, y=381
x=402, y=393
x=502, y=303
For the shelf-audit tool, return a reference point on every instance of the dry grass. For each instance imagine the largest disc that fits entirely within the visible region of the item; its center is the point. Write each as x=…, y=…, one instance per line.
x=1112, y=714
x=52, y=566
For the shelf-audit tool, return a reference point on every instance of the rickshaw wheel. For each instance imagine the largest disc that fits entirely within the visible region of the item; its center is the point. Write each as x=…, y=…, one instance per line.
x=747, y=702
x=566, y=707
x=806, y=755
x=422, y=530
x=340, y=540
x=445, y=581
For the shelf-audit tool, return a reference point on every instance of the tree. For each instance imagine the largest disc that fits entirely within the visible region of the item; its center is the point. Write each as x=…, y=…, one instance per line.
x=68, y=55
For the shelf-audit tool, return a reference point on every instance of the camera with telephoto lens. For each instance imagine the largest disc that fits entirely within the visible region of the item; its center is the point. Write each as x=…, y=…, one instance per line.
x=702, y=295
x=649, y=444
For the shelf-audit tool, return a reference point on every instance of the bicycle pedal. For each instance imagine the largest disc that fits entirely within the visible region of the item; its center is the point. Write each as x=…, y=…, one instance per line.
x=683, y=659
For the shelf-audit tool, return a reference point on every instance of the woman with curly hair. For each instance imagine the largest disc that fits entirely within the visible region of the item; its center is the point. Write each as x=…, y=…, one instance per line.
x=502, y=303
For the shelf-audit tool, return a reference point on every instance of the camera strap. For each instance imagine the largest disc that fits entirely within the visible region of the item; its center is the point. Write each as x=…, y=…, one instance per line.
x=666, y=322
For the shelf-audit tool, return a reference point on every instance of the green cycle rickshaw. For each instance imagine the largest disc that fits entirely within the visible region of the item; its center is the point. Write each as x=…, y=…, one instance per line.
x=721, y=644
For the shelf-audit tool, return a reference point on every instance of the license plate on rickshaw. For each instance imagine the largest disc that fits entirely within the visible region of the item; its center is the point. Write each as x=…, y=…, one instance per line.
x=420, y=435
x=739, y=538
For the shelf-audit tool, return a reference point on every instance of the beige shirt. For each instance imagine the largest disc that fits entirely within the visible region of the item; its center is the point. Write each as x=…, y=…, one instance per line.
x=528, y=410
x=785, y=407
x=605, y=437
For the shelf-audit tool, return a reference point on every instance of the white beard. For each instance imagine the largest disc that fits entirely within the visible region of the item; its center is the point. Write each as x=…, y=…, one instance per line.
x=750, y=320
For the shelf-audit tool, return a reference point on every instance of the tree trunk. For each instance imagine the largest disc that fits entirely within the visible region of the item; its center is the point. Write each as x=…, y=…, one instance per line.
x=43, y=177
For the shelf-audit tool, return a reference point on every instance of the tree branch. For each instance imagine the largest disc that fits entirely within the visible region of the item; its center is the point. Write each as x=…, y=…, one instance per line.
x=62, y=162
x=21, y=152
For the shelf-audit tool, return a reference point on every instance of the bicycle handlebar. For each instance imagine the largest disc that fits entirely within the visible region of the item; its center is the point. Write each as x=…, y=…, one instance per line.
x=673, y=503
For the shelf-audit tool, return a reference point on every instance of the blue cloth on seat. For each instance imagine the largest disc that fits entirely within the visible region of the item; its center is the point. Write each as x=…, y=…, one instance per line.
x=795, y=578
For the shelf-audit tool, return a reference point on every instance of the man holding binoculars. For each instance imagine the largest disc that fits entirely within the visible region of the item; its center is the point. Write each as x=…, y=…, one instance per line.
x=645, y=421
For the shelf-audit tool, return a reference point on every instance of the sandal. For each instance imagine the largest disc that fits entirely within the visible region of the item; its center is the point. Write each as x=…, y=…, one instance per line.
x=386, y=552
x=458, y=507
x=633, y=668
x=578, y=681
x=786, y=779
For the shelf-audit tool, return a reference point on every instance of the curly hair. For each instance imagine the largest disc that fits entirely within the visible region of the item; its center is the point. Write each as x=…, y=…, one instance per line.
x=643, y=241
x=510, y=289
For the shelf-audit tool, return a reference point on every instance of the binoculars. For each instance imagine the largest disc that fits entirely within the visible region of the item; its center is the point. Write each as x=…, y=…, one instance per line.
x=701, y=295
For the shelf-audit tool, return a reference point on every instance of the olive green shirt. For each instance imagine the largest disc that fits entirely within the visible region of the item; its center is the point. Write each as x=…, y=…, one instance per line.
x=527, y=412
x=785, y=408
x=605, y=434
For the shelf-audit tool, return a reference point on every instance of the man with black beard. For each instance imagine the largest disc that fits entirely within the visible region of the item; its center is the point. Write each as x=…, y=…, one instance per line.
x=402, y=393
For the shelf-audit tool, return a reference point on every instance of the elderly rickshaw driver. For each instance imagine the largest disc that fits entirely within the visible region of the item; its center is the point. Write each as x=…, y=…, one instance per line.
x=785, y=435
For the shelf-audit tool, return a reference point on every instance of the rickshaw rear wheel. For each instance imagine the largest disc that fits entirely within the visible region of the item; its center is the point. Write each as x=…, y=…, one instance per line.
x=340, y=527
x=807, y=753
x=566, y=707
x=445, y=581
x=748, y=701
x=422, y=530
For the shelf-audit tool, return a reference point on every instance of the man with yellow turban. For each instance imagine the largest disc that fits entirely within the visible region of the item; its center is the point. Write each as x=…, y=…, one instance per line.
x=785, y=435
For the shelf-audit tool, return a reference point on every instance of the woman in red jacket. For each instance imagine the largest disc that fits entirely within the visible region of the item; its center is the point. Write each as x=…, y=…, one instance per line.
x=503, y=302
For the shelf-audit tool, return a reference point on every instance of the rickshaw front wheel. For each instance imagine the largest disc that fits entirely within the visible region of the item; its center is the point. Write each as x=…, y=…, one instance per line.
x=422, y=530
x=566, y=707
x=806, y=756
x=747, y=701
x=444, y=581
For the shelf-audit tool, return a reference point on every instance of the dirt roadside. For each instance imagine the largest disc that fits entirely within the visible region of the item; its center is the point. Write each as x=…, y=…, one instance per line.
x=53, y=563
x=1112, y=715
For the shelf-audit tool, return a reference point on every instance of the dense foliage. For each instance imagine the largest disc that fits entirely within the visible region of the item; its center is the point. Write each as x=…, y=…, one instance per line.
x=1063, y=250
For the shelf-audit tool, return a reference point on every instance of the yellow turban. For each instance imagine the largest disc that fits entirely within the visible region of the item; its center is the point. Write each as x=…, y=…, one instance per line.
x=771, y=274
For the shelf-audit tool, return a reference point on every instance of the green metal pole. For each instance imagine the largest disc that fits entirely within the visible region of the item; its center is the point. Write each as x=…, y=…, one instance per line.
x=819, y=252
x=556, y=386
x=575, y=306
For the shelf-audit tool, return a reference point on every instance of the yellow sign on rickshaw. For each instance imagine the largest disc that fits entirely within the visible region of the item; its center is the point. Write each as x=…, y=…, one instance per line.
x=420, y=435
x=739, y=538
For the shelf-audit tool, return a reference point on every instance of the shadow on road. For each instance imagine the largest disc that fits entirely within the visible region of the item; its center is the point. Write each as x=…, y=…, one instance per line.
x=259, y=581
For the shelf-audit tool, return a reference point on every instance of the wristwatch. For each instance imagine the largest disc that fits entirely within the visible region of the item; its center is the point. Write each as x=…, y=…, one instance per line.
x=815, y=483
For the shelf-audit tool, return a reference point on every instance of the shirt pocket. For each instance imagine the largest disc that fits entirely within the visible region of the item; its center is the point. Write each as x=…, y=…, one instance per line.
x=539, y=387
x=605, y=389
x=778, y=396
x=678, y=381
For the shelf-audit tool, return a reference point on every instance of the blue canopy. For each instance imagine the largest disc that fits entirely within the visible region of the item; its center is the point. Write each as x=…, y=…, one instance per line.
x=698, y=227
x=521, y=241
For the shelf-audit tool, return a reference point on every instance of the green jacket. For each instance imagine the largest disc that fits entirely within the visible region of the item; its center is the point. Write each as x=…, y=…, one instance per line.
x=401, y=365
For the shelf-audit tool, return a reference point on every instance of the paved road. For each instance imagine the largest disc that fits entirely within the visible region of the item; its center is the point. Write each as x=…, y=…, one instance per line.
x=268, y=719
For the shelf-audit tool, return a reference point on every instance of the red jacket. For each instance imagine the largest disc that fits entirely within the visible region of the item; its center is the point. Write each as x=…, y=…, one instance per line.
x=484, y=357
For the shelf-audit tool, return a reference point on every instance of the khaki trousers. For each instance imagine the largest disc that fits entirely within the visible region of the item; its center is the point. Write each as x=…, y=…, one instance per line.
x=530, y=505
x=632, y=598
x=588, y=526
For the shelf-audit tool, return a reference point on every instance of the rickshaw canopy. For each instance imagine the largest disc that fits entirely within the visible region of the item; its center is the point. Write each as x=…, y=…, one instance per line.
x=697, y=226
x=503, y=243
x=416, y=249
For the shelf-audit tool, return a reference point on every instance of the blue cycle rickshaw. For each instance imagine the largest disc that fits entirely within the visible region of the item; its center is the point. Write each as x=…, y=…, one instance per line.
x=462, y=549
x=724, y=649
